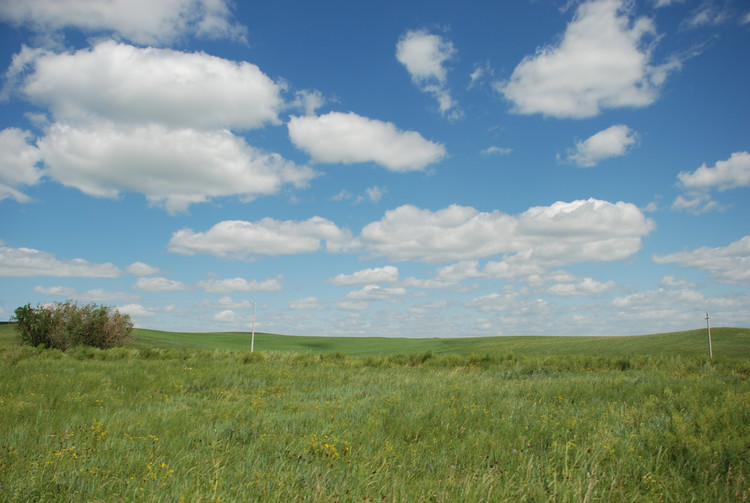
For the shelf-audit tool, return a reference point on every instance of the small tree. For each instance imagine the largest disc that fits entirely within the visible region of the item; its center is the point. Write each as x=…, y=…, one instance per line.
x=66, y=324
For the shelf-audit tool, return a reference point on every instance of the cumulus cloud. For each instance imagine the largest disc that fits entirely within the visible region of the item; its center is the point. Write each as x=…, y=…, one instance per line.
x=560, y=234
x=611, y=142
x=134, y=85
x=159, y=285
x=730, y=174
x=18, y=163
x=27, y=262
x=141, y=21
x=240, y=239
x=387, y=274
x=425, y=56
x=153, y=121
x=725, y=175
x=231, y=285
x=600, y=62
x=350, y=138
x=141, y=269
x=728, y=264
x=173, y=167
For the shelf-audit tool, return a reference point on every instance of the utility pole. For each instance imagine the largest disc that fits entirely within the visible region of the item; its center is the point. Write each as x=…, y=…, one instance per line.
x=252, y=337
x=710, y=347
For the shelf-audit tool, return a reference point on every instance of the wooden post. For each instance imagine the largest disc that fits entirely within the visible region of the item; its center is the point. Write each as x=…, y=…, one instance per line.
x=710, y=347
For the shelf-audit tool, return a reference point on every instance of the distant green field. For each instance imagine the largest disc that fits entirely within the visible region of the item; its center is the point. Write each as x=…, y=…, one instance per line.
x=733, y=342
x=726, y=342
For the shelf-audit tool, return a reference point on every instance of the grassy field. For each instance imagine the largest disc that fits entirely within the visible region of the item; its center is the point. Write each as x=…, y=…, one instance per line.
x=173, y=418
x=726, y=341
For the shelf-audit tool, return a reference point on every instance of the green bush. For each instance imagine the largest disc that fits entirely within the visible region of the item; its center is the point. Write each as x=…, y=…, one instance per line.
x=64, y=325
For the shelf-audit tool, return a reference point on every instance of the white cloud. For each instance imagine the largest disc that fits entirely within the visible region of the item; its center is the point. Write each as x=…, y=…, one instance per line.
x=136, y=310
x=730, y=174
x=229, y=303
x=598, y=63
x=136, y=85
x=306, y=304
x=725, y=175
x=560, y=234
x=141, y=269
x=497, y=150
x=99, y=295
x=387, y=274
x=94, y=295
x=375, y=193
x=706, y=15
x=425, y=55
x=672, y=282
x=227, y=316
x=587, y=287
x=241, y=239
x=350, y=138
x=142, y=21
x=171, y=167
x=375, y=292
x=231, y=285
x=728, y=264
x=159, y=285
x=309, y=101
x=18, y=160
x=696, y=203
x=27, y=262
x=55, y=291
x=611, y=142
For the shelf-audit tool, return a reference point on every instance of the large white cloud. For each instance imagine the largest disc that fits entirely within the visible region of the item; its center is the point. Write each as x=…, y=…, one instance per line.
x=141, y=21
x=611, y=142
x=128, y=84
x=241, y=239
x=727, y=264
x=174, y=167
x=560, y=234
x=27, y=262
x=424, y=55
x=350, y=138
x=18, y=163
x=600, y=62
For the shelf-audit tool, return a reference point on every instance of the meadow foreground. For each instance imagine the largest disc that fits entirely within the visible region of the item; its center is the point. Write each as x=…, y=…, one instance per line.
x=188, y=425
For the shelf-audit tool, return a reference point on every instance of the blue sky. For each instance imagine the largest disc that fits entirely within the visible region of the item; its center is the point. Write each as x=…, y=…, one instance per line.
x=413, y=169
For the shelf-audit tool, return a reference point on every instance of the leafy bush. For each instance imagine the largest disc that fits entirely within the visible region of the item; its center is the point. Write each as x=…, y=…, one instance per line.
x=64, y=325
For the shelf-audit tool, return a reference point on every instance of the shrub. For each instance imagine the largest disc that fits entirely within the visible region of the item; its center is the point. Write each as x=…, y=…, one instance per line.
x=64, y=325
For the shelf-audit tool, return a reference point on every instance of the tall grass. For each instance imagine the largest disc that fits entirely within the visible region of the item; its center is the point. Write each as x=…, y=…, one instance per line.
x=189, y=425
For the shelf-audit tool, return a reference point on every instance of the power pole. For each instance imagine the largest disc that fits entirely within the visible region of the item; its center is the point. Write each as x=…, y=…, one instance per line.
x=710, y=347
x=252, y=337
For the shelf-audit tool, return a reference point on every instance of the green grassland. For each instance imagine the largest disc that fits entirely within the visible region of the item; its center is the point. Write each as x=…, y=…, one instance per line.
x=726, y=341
x=197, y=417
